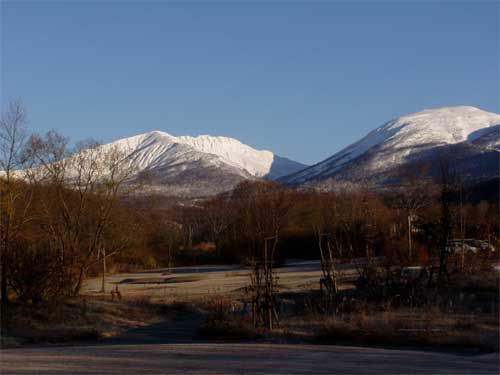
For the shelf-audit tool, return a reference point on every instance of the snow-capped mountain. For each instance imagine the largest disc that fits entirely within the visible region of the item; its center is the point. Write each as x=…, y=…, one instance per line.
x=201, y=165
x=406, y=139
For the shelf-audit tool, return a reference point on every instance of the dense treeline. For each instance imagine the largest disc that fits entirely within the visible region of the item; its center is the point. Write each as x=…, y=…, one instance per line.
x=405, y=224
x=64, y=218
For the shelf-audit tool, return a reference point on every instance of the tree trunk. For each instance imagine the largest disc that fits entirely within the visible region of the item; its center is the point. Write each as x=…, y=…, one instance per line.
x=103, y=288
x=5, y=297
x=4, y=269
x=409, y=236
x=78, y=286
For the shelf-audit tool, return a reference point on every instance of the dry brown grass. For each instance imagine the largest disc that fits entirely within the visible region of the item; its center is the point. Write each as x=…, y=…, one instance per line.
x=77, y=320
x=407, y=328
x=221, y=323
x=228, y=328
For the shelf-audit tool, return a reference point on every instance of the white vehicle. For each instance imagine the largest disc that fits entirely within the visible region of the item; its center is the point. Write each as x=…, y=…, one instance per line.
x=468, y=246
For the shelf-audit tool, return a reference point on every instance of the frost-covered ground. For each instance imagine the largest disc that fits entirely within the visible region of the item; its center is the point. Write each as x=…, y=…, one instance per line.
x=191, y=283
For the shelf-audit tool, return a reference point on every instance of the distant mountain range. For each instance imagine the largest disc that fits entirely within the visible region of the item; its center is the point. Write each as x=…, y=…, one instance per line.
x=467, y=137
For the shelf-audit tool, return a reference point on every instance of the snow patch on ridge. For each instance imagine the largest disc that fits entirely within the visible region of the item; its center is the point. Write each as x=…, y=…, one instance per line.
x=151, y=150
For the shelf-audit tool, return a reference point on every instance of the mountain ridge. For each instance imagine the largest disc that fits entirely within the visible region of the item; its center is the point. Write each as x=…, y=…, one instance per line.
x=201, y=165
x=402, y=139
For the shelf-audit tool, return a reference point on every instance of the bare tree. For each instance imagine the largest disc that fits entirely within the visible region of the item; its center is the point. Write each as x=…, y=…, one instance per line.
x=105, y=172
x=86, y=186
x=12, y=139
x=412, y=196
x=446, y=220
x=324, y=228
x=218, y=221
x=263, y=209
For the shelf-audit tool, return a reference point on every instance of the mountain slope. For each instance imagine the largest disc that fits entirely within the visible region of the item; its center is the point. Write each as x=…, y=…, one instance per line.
x=202, y=165
x=404, y=140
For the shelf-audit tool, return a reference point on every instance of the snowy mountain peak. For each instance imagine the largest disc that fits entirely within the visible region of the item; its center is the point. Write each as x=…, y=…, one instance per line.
x=396, y=141
x=257, y=163
x=444, y=125
x=200, y=165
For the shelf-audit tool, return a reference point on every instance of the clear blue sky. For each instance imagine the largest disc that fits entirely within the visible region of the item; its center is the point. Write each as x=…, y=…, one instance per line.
x=303, y=80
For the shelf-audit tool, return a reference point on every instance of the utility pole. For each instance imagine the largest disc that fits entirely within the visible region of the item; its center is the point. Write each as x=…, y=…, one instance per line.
x=462, y=229
x=409, y=235
x=102, y=252
x=269, y=280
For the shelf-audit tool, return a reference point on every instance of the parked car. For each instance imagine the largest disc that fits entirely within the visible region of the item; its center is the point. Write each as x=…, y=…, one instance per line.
x=468, y=245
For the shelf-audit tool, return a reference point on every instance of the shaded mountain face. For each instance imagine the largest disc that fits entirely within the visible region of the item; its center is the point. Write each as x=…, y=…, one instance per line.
x=466, y=137
x=198, y=166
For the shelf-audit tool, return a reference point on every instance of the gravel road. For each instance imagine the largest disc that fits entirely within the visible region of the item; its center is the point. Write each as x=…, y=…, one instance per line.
x=238, y=359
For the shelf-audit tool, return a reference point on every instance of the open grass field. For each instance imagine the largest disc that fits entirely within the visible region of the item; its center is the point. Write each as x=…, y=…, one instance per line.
x=197, y=283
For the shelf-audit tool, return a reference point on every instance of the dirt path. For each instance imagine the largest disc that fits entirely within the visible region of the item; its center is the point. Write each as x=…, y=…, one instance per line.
x=237, y=359
x=179, y=329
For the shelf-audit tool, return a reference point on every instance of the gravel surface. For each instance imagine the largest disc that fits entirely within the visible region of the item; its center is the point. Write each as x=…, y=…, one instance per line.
x=238, y=359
